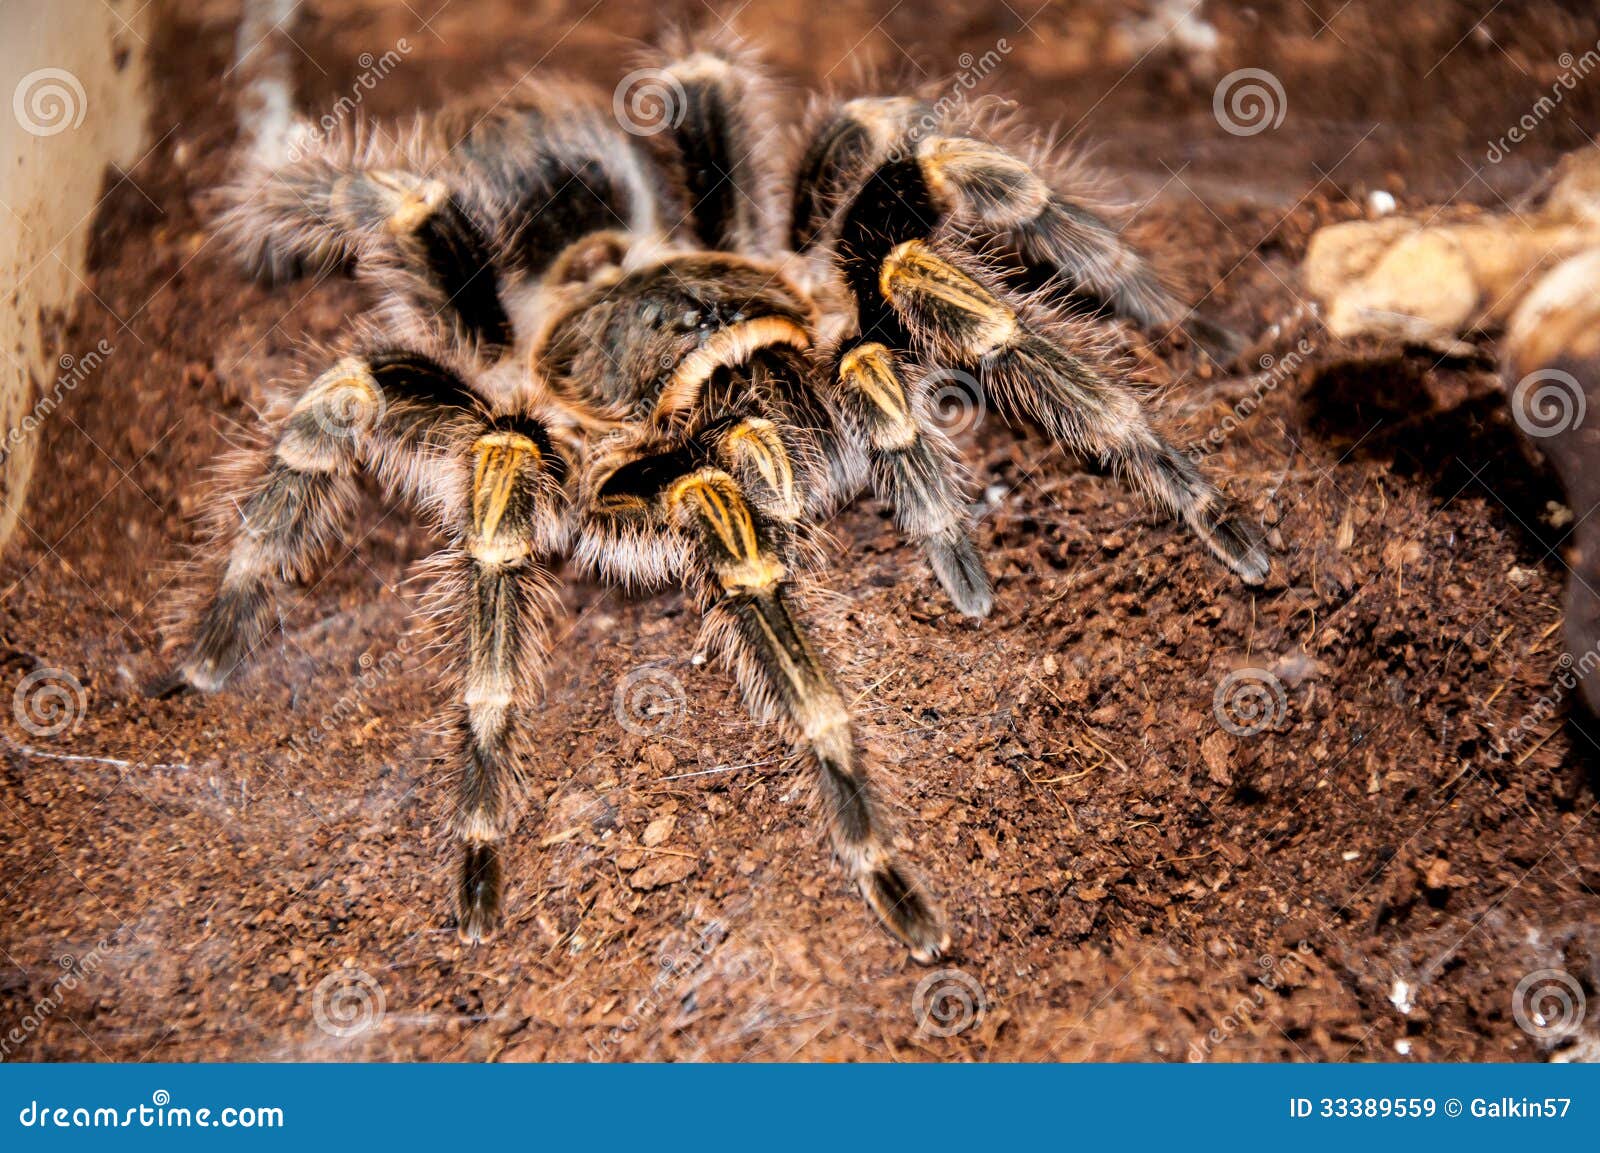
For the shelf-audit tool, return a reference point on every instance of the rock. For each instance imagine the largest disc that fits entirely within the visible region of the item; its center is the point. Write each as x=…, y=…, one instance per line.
x=658, y=831
x=1431, y=283
x=1217, y=752
x=662, y=870
x=1551, y=373
x=658, y=757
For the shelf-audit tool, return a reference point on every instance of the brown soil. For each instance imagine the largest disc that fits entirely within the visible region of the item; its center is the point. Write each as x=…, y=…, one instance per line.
x=1364, y=878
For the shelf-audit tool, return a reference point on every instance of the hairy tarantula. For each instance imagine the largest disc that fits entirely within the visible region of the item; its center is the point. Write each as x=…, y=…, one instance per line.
x=627, y=351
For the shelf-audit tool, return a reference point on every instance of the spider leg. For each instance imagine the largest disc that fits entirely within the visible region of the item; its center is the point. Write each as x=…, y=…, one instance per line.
x=497, y=595
x=762, y=461
x=454, y=219
x=916, y=469
x=1027, y=364
x=898, y=156
x=721, y=96
x=409, y=235
x=410, y=422
x=744, y=587
x=982, y=186
x=388, y=411
x=440, y=259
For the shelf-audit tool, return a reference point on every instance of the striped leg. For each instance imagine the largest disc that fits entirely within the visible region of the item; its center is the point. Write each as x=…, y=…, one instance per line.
x=499, y=598
x=406, y=232
x=901, y=170
x=916, y=470
x=291, y=508
x=747, y=593
x=982, y=186
x=391, y=413
x=1027, y=365
x=729, y=173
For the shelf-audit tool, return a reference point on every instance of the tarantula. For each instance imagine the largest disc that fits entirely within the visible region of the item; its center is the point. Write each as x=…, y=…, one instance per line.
x=668, y=358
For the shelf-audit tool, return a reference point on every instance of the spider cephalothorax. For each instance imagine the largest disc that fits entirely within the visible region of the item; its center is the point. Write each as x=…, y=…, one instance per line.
x=603, y=348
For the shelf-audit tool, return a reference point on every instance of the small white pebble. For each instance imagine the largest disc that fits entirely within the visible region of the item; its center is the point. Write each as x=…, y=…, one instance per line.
x=698, y=659
x=1350, y=855
x=1379, y=202
x=1400, y=996
x=1403, y=1047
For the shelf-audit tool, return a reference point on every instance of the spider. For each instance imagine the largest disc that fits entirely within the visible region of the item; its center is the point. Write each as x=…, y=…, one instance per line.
x=667, y=358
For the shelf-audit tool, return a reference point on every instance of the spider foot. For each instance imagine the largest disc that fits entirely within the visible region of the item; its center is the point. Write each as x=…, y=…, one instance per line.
x=1233, y=540
x=955, y=561
x=905, y=910
x=478, y=897
x=164, y=686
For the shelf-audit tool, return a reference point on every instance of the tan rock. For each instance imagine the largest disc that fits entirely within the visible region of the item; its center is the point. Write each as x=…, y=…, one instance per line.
x=1432, y=282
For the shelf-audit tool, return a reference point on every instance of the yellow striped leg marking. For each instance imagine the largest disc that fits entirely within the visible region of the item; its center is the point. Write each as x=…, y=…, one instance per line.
x=757, y=442
x=869, y=369
x=501, y=458
x=713, y=498
x=913, y=270
x=952, y=164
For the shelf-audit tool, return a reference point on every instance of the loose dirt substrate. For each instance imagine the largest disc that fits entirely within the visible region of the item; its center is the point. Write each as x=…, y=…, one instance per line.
x=257, y=874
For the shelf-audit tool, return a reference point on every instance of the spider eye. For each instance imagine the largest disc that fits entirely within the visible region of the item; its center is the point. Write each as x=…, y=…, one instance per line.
x=691, y=320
